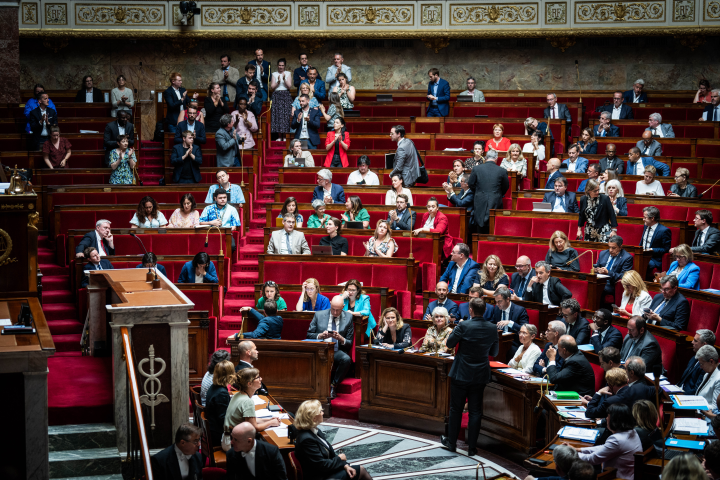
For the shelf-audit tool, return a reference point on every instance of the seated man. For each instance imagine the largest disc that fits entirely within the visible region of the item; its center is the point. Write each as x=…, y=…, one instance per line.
x=461, y=271
x=464, y=308
x=655, y=237
x=508, y=316
x=363, y=175
x=149, y=260
x=603, y=333
x=641, y=343
x=247, y=354
x=555, y=330
x=576, y=374
x=41, y=119
x=95, y=263
x=269, y=326
x=693, y=374
x=186, y=159
x=605, y=128
x=553, y=172
x=32, y=103
x=306, y=123
x=220, y=214
x=181, y=460
x=593, y=172
x=707, y=238
x=636, y=95
x=635, y=368
x=649, y=147
x=611, y=160
x=288, y=241
x=233, y=189
x=575, y=325
x=191, y=125
x=250, y=458
x=613, y=262
x=199, y=270
x=121, y=126
x=671, y=309
x=659, y=129
x=336, y=326
x=464, y=199
x=617, y=111
x=471, y=90
x=441, y=289
x=560, y=199
x=636, y=164
x=711, y=112
x=542, y=288
x=327, y=191
x=101, y=239
x=616, y=391
x=609, y=357
x=402, y=218
x=519, y=280
x=574, y=163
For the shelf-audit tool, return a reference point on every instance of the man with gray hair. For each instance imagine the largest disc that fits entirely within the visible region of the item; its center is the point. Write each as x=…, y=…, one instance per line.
x=288, y=241
x=636, y=95
x=227, y=143
x=564, y=457
x=335, y=69
x=477, y=95
x=671, y=309
x=101, y=239
x=712, y=110
x=555, y=330
x=693, y=373
x=709, y=387
x=605, y=128
x=556, y=110
x=464, y=199
x=327, y=191
x=637, y=388
x=542, y=288
x=659, y=129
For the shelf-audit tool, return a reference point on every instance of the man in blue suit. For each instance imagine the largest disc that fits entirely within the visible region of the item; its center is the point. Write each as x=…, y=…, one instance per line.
x=613, y=262
x=301, y=73
x=671, y=309
x=553, y=173
x=508, y=317
x=441, y=290
x=461, y=271
x=655, y=237
x=175, y=98
x=618, y=110
x=242, y=87
x=636, y=95
x=711, y=113
x=190, y=125
x=520, y=279
x=262, y=70
x=693, y=374
x=439, y=95
x=464, y=308
x=574, y=163
x=326, y=190
x=94, y=263
x=636, y=164
x=604, y=334
x=316, y=85
x=560, y=199
x=306, y=123
x=269, y=326
x=593, y=173
x=605, y=128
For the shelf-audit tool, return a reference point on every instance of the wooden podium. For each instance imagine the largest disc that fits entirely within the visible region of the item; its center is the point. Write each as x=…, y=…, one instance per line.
x=18, y=244
x=157, y=323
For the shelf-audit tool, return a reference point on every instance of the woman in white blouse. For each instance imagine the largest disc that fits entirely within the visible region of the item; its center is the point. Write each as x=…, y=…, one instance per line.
x=148, y=215
x=635, y=295
x=649, y=186
x=536, y=147
x=398, y=187
x=528, y=352
x=515, y=162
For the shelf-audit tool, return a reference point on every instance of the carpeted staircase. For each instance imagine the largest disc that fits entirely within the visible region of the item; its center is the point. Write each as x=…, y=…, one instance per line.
x=151, y=163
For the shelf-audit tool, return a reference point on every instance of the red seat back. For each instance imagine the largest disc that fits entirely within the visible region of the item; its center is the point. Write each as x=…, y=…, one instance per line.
x=703, y=315
x=579, y=289
x=545, y=227
x=505, y=250
x=513, y=226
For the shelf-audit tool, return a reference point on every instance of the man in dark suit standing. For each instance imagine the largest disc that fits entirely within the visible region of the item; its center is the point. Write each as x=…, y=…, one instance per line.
x=707, y=238
x=182, y=459
x=508, y=316
x=335, y=326
x=301, y=73
x=560, y=199
x=176, y=99
x=576, y=374
x=605, y=128
x=655, y=237
x=711, y=113
x=636, y=95
x=441, y=290
x=671, y=309
x=520, y=279
x=95, y=263
x=306, y=123
x=470, y=372
x=613, y=262
x=254, y=99
x=186, y=160
x=577, y=326
x=190, y=125
x=249, y=458
x=101, y=238
x=41, y=119
x=693, y=374
x=639, y=342
x=438, y=93
x=461, y=271
x=611, y=160
x=618, y=110
x=603, y=332
x=262, y=70
x=556, y=110
x=242, y=87
x=248, y=353
x=490, y=183
x=543, y=288
x=121, y=126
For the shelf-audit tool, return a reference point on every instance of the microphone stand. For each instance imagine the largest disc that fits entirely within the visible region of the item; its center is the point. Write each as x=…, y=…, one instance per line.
x=577, y=68
x=657, y=373
x=711, y=186
x=208, y=235
x=413, y=345
x=150, y=276
x=592, y=269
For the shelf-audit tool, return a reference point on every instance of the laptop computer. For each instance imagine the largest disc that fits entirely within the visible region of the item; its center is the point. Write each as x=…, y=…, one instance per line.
x=299, y=161
x=389, y=160
x=542, y=207
x=321, y=250
x=352, y=113
x=354, y=225
x=465, y=98
x=383, y=98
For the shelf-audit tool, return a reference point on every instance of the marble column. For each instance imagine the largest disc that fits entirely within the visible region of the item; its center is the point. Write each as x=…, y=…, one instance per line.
x=9, y=53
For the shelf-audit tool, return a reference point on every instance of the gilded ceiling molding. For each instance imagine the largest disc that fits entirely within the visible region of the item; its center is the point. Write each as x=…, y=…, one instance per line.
x=563, y=43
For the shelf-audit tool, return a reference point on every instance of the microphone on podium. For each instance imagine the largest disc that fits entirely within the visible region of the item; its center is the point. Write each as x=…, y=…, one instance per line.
x=150, y=275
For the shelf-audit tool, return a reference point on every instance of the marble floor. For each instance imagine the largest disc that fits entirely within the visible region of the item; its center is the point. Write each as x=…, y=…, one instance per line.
x=399, y=454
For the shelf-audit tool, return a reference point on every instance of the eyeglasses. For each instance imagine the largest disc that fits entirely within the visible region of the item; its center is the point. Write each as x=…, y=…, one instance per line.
x=598, y=317
x=270, y=283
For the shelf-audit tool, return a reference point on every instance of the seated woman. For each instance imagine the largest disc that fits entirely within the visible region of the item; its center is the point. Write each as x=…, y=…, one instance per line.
x=186, y=216
x=354, y=212
x=149, y=260
x=536, y=148
x=398, y=187
x=597, y=215
x=319, y=218
x=241, y=407
x=207, y=381
x=619, y=449
x=616, y=194
x=477, y=158
x=271, y=291
x=217, y=399
x=381, y=243
x=561, y=254
x=290, y=206
x=704, y=93
x=296, y=151
x=635, y=296
x=199, y=270
x=646, y=418
x=335, y=110
x=533, y=125
x=687, y=272
x=333, y=239
x=148, y=215
x=682, y=187
x=528, y=353
x=498, y=142
x=56, y=151
x=392, y=332
x=315, y=452
x=436, y=222
x=515, y=162
x=357, y=302
x=304, y=90
x=337, y=144
x=605, y=177
x=587, y=143
x=122, y=162
x=491, y=275
x=437, y=335
x=649, y=186
x=311, y=299
x=458, y=169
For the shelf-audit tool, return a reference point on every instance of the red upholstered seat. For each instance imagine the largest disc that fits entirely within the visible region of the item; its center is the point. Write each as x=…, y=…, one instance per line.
x=631, y=234
x=579, y=289
x=715, y=279
x=526, y=204
x=587, y=260
x=545, y=227
x=668, y=348
x=534, y=316
x=535, y=253
x=710, y=170
x=508, y=252
x=691, y=166
x=417, y=334
x=703, y=315
x=599, y=376
x=706, y=273
x=513, y=226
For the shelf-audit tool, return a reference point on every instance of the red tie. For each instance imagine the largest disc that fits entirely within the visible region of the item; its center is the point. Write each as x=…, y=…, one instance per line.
x=102, y=247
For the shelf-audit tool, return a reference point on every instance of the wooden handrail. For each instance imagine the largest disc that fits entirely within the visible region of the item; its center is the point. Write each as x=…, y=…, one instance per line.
x=130, y=363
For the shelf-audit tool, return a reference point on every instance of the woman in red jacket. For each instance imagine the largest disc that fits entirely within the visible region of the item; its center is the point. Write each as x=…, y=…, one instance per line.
x=337, y=145
x=436, y=222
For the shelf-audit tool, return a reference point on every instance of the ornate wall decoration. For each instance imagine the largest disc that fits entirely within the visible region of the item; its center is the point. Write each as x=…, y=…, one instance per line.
x=177, y=17
x=494, y=14
x=309, y=15
x=712, y=10
x=56, y=44
x=683, y=10
x=310, y=45
x=556, y=13
x=691, y=41
x=563, y=43
x=380, y=16
x=6, y=249
x=56, y=14
x=627, y=11
x=29, y=13
x=271, y=15
x=86, y=14
x=436, y=43
x=431, y=15
x=152, y=385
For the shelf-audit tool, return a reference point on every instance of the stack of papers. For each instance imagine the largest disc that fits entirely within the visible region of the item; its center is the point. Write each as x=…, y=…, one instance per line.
x=570, y=408
x=651, y=377
x=693, y=426
x=576, y=433
x=672, y=388
x=689, y=402
x=281, y=431
x=574, y=415
x=258, y=401
x=552, y=396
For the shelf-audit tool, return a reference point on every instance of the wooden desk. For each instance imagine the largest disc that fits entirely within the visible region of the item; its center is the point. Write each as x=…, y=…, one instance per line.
x=555, y=422
x=406, y=390
x=18, y=244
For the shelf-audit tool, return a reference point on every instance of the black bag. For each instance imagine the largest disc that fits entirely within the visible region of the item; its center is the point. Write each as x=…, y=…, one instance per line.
x=423, y=178
x=158, y=135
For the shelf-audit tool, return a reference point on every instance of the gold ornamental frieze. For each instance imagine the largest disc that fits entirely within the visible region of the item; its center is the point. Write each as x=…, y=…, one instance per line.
x=355, y=16
x=95, y=14
x=712, y=10
x=29, y=13
x=248, y=16
x=591, y=12
x=494, y=14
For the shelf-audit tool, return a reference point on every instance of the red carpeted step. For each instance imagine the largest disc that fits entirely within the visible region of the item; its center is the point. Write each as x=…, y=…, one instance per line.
x=259, y=213
x=244, y=279
x=346, y=405
x=49, y=269
x=80, y=390
x=246, y=293
x=59, y=311
x=55, y=282
x=246, y=265
x=67, y=354
x=257, y=223
x=44, y=242
x=51, y=297
x=46, y=255
x=250, y=252
x=350, y=385
x=254, y=237
x=232, y=307
x=230, y=322
x=64, y=327
x=67, y=343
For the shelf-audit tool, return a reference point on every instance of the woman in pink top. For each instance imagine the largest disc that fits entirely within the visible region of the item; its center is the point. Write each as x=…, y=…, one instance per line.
x=246, y=124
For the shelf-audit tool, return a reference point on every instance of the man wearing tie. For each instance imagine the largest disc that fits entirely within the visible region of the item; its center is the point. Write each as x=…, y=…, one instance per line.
x=250, y=459
x=508, y=317
x=288, y=241
x=441, y=290
x=96, y=263
x=691, y=377
x=461, y=271
x=182, y=459
x=655, y=237
x=101, y=238
x=556, y=110
x=519, y=280
x=301, y=73
x=636, y=164
x=605, y=128
x=641, y=343
x=712, y=111
x=611, y=160
x=603, y=333
x=613, y=262
x=561, y=200
x=662, y=130
x=707, y=238
x=648, y=146
x=262, y=70
x=618, y=110
x=671, y=309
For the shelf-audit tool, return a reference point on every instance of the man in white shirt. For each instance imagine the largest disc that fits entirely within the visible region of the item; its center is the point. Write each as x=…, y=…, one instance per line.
x=712, y=111
x=662, y=130
x=363, y=175
x=617, y=106
x=288, y=241
x=707, y=238
x=180, y=461
x=335, y=69
x=249, y=458
x=477, y=95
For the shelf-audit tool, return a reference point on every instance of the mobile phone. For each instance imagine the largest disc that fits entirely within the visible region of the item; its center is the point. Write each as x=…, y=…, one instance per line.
x=615, y=306
x=537, y=461
x=572, y=408
x=647, y=310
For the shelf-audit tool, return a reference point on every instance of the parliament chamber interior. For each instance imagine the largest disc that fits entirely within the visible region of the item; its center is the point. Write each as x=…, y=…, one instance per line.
x=431, y=241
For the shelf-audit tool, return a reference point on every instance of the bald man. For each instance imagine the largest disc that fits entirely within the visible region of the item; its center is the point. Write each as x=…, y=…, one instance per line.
x=442, y=290
x=553, y=173
x=649, y=147
x=336, y=326
x=576, y=375
x=520, y=279
x=248, y=458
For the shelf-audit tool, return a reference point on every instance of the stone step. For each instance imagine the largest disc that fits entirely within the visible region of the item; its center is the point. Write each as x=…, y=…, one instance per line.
x=80, y=437
x=79, y=463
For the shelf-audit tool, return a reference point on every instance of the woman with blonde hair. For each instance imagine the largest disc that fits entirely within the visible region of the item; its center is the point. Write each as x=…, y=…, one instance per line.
x=685, y=467
x=392, y=332
x=491, y=275
x=525, y=356
x=682, y=186
x=648, y=185
x=381, y=243
x=242, y=408
x=314, y=451
x=646, y=417
x=437, y=335
x=304, y=89
x=561, y=254
x=217, y=398
x=515, y=162
x=635, y=295
x=686, y=271
x=311, y=299
x=616, y=194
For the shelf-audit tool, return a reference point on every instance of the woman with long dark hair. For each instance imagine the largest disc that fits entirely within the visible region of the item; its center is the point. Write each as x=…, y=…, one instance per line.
x=187, y=215
x=215, y=108
x=337, y=144
x=290, y=206
x=199, y=270
x=148, y=215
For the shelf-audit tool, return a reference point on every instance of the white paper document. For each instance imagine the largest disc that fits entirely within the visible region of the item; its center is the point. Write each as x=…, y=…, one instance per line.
x=263, y=413
x=692, y=425
x=582, y=434
x=258, y=401
x=690, y=401
x=281, y=431
x=5, y=322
